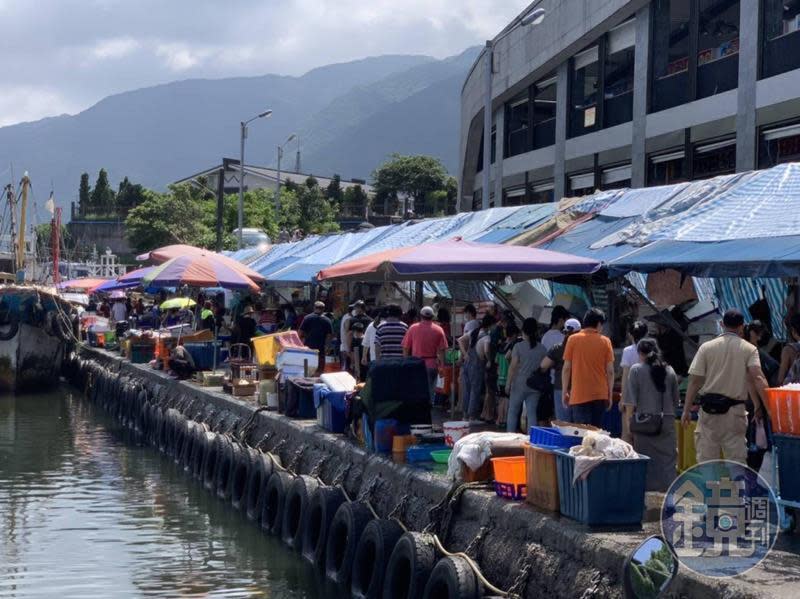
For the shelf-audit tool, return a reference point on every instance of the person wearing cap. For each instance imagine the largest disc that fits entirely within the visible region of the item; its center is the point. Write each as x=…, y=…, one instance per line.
x=720, y=376
x=316, y=331
x=555, y=360
x=359, y=317
x=587, y=377
x=555, y=334
x=245, y=327
x=426, y=340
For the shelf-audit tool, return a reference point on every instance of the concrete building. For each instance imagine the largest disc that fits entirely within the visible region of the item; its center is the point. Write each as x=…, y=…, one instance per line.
x=629, y=93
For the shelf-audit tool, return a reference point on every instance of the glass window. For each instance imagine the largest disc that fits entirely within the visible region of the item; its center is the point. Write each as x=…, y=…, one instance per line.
x=618, y=83
x=779, y=145
x=616, y=177
x=581, y=184
x=781, y=51
x=585, y=80
x=544, y=113
x=717, y=46
x=717, y=158
x=542, y=192
x=517, y=123
x=671, y=25
x=667, y=168
x=514, y=196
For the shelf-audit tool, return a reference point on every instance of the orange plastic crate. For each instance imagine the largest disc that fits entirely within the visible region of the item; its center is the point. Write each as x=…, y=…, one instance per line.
x=542, y=478
x=509, y=474
x=783, y=406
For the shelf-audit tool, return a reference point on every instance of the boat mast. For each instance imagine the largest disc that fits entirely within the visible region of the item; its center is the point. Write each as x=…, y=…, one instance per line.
x=12, y=205
x=24, y=185
x=55, y=231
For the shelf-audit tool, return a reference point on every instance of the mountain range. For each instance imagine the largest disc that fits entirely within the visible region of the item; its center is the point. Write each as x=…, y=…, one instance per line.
x=348, y=117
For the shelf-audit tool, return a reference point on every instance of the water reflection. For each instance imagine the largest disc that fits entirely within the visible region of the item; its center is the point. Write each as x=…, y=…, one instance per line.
x=86, y=512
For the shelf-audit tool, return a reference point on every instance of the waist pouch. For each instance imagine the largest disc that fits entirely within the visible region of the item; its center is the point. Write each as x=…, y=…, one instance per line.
x=714, y=403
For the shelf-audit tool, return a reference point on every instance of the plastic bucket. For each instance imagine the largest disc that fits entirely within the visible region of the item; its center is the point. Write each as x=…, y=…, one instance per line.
x=783, y=406
x=455, y=430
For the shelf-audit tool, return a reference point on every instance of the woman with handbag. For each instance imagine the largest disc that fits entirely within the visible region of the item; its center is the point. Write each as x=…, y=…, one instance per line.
x=650, y=397
x=526, y=356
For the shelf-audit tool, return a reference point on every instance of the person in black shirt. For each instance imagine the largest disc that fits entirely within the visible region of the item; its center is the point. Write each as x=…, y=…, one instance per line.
x=315, y=331
x=245, y=326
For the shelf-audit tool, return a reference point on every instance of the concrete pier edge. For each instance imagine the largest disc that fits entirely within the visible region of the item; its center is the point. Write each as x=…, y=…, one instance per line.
x=559, y=557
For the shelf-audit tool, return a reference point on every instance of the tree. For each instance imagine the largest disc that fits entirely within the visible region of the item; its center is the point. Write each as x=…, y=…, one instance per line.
x=84, y=195
x=102, y=194
x=166, y=218
x=334, y=191
x=129, y=195
x=317, y=215
x=355, y=202
x=411, y=177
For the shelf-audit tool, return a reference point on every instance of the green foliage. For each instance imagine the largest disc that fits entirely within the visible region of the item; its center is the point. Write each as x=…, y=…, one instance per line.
x=334, y=191
x=316, y=213
x=43, y=240
x=103, y=197
x=355, y=202
x=410, y=176
x=84, y=195
x=166, y=218
x=129, y=195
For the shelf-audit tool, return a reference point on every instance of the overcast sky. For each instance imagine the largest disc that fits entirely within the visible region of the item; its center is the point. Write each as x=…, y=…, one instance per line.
x=62, y=56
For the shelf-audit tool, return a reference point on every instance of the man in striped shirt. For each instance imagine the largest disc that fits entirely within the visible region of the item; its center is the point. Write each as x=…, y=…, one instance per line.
x=390, y=333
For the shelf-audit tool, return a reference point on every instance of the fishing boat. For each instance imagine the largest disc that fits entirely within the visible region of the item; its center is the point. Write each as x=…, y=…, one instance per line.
x=35, y=332
x=35, y=322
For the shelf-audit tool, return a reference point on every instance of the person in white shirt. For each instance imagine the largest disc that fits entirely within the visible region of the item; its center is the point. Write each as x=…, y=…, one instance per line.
x=471, y=321
x=344, y=337
x=630, y=356
x=119, y=313
x=368, y=354
x=555, y=334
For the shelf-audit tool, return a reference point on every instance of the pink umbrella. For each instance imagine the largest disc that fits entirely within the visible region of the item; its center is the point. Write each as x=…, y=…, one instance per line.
x=87, y=284
x=169, y=252
x=198, y=271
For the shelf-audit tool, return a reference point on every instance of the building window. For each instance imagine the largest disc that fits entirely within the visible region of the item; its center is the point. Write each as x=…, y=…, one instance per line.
x=514, y=196
x=781, y=50
x=585, y=83
x=717, y=46
x=542, y=192
x=517, y=124
x=665, y=169
x=712, y=159
x=544, y=112
x=778, y=145
x=618, y=76
x=581, y=184
x=616, y=177
x=671, y=25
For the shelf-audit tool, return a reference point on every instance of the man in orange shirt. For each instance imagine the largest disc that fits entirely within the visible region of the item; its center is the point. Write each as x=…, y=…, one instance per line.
x=588, y=374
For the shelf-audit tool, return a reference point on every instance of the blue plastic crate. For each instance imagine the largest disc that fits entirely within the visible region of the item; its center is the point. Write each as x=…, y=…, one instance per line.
x=331, y=408
x=612, y=493
x=422, y=453
x=551, y=437
x=510, y=491
x=788, y=448
x=202, y=354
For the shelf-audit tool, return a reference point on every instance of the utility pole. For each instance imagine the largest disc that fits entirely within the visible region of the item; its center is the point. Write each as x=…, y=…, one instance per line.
x=220, y=204
x=297, y=157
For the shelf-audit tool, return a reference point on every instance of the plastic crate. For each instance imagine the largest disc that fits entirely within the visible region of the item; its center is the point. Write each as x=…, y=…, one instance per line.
x=300, y=399
x=783, y=406
x=510, y=477
x=267, y=347
x=542, y=478
x=548, y=436
x=611, y=494
x=331, y=408
x=687, y=455
x=788, y=449
x=202, y=354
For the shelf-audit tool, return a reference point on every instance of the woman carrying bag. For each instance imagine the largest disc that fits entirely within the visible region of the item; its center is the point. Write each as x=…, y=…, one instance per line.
x=651, y=394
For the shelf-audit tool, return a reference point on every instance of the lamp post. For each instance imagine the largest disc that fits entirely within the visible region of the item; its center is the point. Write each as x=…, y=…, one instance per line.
x=534, y=17
x=242, y=137
x=278, y=179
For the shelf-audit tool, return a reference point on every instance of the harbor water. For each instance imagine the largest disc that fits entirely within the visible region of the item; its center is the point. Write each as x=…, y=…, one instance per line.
x=85, y=512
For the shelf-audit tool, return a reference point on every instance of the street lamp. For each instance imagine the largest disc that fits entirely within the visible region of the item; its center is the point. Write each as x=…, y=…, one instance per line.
x=278, y=184
x=242, y=137
x=533, y=18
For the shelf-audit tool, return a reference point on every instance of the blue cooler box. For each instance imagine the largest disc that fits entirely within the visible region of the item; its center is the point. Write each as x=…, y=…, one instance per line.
x=788, y=448
x=612, y=493
x=331, y=408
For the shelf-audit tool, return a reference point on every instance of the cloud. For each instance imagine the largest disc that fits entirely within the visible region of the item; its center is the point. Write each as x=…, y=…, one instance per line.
x=21, y=103
x=126, y=45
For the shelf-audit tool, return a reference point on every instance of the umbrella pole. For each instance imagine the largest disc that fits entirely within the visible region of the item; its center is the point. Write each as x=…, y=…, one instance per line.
x=453, y=395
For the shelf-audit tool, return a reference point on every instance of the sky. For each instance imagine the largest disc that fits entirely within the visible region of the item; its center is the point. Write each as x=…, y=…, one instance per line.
x=62, y=56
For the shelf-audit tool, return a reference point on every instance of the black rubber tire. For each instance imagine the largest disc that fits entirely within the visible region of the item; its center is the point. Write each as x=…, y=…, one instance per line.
x=345, y=532
x=167, y=433
x=272, y=505
x=179, y=434
x=241, y=474
x=210, y=461
x=158, y=426
x=321, y=510
x=295, y=511
x=410, y=567
x=452, y=578
x=257, y=480
x=230, y=452
x=202, y=445
x=372, y=555
x=189, y=439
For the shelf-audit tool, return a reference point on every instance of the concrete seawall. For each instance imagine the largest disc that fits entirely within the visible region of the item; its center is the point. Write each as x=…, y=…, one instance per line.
x=543, y=554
